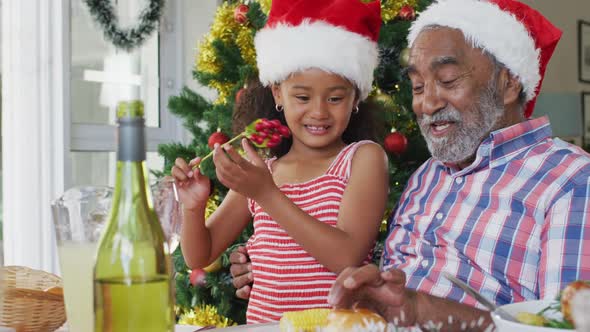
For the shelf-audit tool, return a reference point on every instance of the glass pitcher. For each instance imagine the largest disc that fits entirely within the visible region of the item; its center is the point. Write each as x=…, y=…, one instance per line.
x=79, y=217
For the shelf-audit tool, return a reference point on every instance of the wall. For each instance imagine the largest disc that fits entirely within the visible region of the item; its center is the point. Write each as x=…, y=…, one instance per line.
x=562, y=72
x=560, y=95
x=197, y=19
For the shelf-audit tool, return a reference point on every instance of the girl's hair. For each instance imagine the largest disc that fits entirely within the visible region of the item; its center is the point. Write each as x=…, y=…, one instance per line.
x=257, y=102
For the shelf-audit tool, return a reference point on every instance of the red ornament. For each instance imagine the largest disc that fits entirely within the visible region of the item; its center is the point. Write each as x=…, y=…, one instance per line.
x=239, y=94
x=197, y=277
x=407, y=13
x=240, y=14
x=217, y=137
x=396, y=143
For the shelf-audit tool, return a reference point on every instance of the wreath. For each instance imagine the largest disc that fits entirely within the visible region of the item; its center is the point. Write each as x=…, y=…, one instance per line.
x=103, y=13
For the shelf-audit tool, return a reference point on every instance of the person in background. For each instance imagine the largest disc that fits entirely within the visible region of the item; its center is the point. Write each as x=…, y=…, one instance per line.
x=501, y=204
x=318, y=204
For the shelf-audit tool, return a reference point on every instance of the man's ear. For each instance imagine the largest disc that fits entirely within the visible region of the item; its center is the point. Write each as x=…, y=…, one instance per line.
x=511, y=87
x=276, y=93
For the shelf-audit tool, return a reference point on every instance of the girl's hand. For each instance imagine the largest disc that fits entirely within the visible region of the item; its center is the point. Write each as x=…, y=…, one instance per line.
x=251, y=177
x=192, y=186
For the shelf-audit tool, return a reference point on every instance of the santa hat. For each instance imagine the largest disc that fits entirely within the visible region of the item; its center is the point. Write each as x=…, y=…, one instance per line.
x=517, y=35
x=337, y=36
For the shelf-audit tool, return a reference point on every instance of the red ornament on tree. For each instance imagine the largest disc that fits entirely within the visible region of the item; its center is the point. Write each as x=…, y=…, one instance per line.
x=239, y=94
x=407, y=13
x=396, y=143
x=217, y=137
x=240, y=14
x=197, y=277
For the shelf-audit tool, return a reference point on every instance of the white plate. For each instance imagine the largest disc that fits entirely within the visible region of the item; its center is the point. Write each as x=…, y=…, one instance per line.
x=271, y=327
x=528, y=306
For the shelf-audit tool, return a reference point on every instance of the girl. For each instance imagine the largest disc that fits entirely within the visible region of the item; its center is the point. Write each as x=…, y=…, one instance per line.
x=317, y=206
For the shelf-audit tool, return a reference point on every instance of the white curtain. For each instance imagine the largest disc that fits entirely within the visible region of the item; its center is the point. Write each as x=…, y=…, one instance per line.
x=33, y=126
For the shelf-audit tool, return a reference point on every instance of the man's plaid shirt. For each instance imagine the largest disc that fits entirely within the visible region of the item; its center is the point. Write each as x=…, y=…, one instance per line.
x=515, y=224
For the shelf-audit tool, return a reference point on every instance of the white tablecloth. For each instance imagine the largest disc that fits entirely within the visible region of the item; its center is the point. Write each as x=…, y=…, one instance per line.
x=274, y=327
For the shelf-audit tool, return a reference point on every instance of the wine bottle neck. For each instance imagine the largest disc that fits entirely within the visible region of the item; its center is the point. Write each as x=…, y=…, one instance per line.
x=131, y=140
x=131, y=179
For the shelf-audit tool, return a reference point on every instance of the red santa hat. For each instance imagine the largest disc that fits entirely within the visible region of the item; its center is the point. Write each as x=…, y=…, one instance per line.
x=337, y=36
x=517, y=35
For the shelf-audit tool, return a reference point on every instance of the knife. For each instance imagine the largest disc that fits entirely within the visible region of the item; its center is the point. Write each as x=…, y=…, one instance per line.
x=480, y=298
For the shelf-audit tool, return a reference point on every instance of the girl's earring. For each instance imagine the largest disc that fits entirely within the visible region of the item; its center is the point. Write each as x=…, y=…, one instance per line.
x=279, y=108
x=355, y=110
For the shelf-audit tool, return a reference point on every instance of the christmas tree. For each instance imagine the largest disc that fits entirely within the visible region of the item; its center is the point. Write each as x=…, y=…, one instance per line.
x=227, y=63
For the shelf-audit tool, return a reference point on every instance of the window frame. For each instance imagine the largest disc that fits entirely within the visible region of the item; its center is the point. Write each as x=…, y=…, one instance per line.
x=86, y=137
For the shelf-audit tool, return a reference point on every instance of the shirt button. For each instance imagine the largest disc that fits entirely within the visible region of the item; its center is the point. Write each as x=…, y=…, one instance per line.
x=459, y=180
x=424, y=263
x=439, y=216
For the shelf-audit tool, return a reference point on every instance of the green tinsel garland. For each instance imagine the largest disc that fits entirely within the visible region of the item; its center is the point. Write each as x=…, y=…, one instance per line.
x=103, y=13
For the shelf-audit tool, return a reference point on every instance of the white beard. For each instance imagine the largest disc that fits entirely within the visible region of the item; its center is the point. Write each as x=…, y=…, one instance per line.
x=471, y=127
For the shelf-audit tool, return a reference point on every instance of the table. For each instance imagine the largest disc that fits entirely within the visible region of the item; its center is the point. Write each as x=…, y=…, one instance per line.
x=270, y=327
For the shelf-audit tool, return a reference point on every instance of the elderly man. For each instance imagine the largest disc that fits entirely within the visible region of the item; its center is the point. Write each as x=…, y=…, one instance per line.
x=501, y=204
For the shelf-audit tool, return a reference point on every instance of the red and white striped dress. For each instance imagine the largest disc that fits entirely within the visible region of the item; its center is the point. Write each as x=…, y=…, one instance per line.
x=286, y=277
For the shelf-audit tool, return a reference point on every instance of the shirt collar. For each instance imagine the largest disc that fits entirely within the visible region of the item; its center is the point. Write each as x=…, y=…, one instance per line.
x=505, y=143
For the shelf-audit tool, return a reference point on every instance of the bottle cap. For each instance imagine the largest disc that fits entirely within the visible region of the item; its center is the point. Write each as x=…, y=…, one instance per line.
x=130, y=109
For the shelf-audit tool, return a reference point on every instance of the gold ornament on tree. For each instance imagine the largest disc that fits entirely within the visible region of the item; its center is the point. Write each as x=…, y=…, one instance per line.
x=245, y=41
x=384, y=98
x=265, y=6
x=404, y=57
x=226, y=29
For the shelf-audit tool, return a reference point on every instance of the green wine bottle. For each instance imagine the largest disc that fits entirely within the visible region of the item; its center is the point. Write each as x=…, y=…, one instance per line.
x=132, y=289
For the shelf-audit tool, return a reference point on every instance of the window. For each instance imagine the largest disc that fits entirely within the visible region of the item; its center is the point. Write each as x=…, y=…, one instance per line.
x=100, y=76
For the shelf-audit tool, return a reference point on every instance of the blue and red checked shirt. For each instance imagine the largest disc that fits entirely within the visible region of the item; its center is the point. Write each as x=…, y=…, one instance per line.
x=515, y=224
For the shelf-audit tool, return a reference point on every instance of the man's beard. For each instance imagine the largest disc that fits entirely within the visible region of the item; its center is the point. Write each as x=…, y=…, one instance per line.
x=470, y=127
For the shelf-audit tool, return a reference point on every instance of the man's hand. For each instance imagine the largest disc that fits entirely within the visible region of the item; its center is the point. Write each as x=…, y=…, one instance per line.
x=382, y=292
x=385, y=293
x=241, y=272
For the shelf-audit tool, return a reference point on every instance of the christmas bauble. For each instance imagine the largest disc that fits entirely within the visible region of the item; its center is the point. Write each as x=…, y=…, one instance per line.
x=217, y=137
x=240, y=14
x=213, y=267
x=395, y=143
x=407, y=13
x=239, y=94
x=404, y=57
x=384, y=98
x=197, y=277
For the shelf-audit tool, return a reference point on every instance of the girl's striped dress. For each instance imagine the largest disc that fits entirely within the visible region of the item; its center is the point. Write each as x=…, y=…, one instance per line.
x=286, y=277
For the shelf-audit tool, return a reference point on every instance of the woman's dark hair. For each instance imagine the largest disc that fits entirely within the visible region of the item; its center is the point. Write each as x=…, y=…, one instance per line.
x=257, y=102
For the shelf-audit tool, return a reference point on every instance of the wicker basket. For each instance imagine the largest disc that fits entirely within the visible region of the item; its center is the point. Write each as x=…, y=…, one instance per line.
x=25, y=305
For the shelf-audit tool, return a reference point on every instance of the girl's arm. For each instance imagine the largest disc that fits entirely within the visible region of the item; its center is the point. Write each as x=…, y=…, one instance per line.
x=360, y=215
x=203, y=241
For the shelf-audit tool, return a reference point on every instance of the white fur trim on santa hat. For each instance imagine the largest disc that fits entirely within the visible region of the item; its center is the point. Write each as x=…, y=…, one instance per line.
x=283, y=50
x=488, y=27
